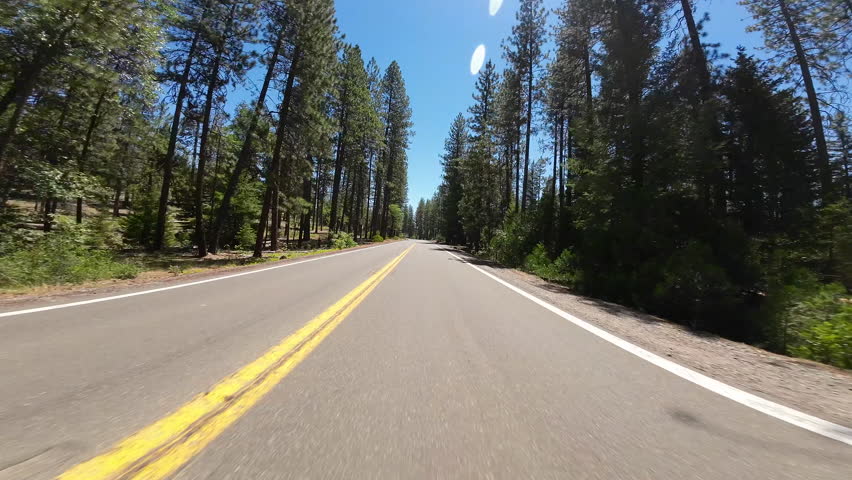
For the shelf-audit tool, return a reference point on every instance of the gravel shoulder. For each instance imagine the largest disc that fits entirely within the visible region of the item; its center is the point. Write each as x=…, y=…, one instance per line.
x=820, y=390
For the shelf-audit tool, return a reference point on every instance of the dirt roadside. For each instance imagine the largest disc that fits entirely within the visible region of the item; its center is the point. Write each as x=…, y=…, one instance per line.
x=76, y=292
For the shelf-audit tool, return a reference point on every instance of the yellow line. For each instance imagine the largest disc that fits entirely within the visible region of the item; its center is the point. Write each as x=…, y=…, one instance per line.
x=158, y=450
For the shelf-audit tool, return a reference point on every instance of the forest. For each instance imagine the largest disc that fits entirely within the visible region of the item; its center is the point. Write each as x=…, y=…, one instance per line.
x=200, y=126
x=707, y=188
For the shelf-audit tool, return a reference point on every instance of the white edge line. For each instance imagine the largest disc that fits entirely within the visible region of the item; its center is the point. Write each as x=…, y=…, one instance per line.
x=787, y=414
x=182, y=285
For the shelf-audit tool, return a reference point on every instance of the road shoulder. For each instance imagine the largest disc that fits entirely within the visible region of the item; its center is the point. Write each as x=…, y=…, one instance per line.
x=810, y=387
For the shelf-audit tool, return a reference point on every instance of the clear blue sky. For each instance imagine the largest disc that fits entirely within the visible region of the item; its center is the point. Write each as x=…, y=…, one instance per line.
x=433, y=41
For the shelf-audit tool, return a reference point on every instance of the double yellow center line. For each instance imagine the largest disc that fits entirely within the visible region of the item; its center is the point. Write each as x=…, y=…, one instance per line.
x=159, y=449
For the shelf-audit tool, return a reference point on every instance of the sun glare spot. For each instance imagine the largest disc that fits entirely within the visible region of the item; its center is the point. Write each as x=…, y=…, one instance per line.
x=477, y=59
x=494, y=6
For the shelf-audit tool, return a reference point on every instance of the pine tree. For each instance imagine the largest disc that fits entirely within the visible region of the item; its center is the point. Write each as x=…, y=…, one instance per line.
x=396, y=115
x=226, y=61
x=769, y=149
x=801, y=46
x=524, y=53
x=186, y=35
x=357, y=124
x=842, y=150
x=508, y=123
x=455, y=148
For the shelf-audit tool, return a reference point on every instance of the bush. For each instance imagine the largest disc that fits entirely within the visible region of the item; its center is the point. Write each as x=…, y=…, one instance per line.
x=511, y=245
x=819, y=326
x=61, y=257
x=141, y=225
x=246, y=237
x=559, y=270
x=104, y=232
x=693, y=288
x=343, y=240
x=378, y=238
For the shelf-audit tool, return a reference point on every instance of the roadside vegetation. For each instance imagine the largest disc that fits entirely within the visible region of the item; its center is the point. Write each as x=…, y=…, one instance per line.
x=98, y=250
x=120, y=152
x=711, y=190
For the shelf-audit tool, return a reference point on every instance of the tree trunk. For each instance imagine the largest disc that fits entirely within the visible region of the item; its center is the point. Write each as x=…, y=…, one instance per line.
x=116, y=199
x=87, y=143
x=338, y=168
x=698, y=56
x=168, y=161
x=555, y=156
x=355, y=222
x=244, y=157
x=369, y=188
x=275, y=214
x=587, y=73
x=386, y=205
x=261, y=227
x=518, y=171
x=377, y=205
x=528, y=136
x=561, y=161
x=306, y=214
x=47, y=224
x=507, y=193
x=9, y=133
x=203, y=157
x=813, y=102
x=316, y=201
x=346, y=212
x=274, y=174
x=570, y=145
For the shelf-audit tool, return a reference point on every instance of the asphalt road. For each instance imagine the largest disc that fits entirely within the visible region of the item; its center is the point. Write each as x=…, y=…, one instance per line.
x=434, y=371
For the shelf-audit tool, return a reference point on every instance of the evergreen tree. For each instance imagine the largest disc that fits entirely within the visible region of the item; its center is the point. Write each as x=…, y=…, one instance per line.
x=791, y=30
x=455, y=148
x=391, y=186
x=524, y=52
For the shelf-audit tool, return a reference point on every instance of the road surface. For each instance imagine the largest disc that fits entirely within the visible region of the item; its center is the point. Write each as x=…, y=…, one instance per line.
x=397, y=361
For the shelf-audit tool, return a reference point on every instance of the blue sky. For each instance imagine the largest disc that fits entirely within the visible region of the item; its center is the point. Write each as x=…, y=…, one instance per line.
x=433, y=41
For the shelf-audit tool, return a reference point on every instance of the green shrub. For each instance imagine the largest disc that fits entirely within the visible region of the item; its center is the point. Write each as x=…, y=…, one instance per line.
x=140, y=226
x=61, y=257
x=343, y=240
x=693, y=287
x=246, y=237
x=378, y=238
x=559, y=270
x=537, y=260
x=511, y=245
x=104, y=232
x=819, y=325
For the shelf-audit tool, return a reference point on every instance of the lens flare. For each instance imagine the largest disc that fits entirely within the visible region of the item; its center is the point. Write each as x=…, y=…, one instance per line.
x=477, y=59
x=494, y=6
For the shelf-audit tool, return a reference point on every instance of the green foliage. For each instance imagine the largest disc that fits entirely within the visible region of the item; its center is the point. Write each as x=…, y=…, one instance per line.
x=559, y=270
x=64, y=256
x=139, y=226
x=343, y=240
x=515, y=241
x=377, y=238
x=396, y=219
x=693, y=285
x=817, y=322
x=105, y=232
x=834, y=240
x=246, y=236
